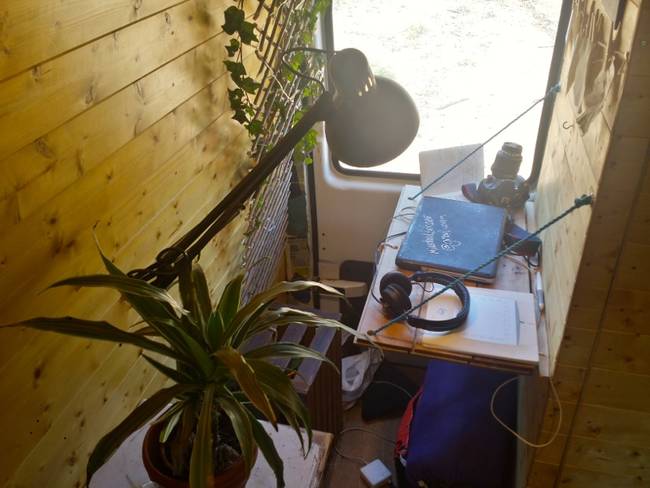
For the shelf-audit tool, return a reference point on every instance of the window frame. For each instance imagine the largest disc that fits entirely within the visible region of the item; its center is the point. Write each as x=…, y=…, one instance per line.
x=554, y=71
x=328, y=40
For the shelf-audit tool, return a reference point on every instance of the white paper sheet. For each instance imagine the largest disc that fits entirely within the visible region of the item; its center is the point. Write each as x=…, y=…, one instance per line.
x=491, y=319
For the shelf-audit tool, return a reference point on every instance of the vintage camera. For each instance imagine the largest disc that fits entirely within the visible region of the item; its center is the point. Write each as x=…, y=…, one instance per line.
x=504, y=187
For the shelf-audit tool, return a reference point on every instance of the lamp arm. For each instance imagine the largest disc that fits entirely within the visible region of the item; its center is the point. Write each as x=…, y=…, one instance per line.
x=191, y=244
x=234, y=201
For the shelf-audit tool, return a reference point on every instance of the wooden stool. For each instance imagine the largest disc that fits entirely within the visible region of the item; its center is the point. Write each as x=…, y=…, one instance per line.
x=317, y=383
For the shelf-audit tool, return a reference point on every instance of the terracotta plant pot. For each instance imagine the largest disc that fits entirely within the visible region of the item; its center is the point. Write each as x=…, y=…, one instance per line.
x=233, y=477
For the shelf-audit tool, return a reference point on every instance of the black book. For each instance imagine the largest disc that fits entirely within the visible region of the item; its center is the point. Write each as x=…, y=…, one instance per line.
x=453, y=237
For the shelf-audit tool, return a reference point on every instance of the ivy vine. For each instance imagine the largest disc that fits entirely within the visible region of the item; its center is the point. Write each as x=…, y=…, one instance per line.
x=241, y=97
x=235, y=23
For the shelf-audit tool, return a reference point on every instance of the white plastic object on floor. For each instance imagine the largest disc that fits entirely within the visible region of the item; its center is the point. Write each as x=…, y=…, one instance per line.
x=376, y=474
x=356, y=374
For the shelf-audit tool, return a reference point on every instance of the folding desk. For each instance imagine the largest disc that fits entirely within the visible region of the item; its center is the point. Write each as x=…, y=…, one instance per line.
x=405, y=344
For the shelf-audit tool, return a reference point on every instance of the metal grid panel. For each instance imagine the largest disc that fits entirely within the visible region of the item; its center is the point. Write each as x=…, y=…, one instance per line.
x=277, y=102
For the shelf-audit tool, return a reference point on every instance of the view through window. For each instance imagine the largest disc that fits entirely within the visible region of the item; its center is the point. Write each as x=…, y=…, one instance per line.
x=471, y=66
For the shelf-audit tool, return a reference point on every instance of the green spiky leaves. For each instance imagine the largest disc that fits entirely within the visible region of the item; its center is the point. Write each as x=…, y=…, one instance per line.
x=201, y=346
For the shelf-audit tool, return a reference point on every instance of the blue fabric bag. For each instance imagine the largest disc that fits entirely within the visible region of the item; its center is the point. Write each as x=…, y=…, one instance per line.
x=453, y=440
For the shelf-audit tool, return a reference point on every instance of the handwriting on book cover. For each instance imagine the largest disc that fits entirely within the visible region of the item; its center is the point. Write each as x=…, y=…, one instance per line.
x=439, y=237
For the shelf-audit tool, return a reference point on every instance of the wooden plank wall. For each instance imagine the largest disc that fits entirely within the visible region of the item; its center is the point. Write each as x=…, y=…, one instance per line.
x=114, y=120
x=596, y=265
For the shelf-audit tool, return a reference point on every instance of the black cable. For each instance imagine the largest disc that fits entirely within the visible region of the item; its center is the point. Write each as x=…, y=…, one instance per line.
x=298, y=73
x=578, y=202
x=537, y=259
x=308, y=49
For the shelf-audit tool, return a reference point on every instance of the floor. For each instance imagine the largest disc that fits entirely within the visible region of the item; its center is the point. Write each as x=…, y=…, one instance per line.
x=376, y=441
x=344, y=473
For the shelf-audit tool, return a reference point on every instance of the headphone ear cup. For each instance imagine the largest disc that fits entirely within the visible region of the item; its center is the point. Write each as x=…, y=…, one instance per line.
x=395, y=278
x=395, y=300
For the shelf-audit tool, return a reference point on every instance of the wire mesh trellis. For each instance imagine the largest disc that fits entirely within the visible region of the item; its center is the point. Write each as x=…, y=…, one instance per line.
x=276, y=102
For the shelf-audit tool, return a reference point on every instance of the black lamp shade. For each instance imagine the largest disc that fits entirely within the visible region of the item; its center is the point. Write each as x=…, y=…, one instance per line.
x=373, y=119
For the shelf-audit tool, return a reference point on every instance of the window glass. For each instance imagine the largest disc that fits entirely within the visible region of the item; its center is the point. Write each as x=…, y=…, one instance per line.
x=471, y=66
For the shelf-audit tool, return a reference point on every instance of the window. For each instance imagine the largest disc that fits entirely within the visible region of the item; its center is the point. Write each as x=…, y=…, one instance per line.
x=470, y=66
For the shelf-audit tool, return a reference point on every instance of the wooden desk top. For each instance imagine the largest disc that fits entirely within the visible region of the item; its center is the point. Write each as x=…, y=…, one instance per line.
x=513, y=281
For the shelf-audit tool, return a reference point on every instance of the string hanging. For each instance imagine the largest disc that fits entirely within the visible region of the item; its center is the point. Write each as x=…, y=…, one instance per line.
x=556, y=431
x=554, y=89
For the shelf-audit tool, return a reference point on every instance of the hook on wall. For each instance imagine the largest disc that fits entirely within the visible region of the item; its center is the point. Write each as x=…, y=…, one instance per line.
x=566, y=125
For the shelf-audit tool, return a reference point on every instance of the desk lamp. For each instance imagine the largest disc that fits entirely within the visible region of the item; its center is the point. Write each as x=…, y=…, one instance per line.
x=369, y=120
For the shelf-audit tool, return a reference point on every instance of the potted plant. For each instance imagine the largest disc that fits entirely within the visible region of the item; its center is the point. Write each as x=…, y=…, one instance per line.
x=205, y=430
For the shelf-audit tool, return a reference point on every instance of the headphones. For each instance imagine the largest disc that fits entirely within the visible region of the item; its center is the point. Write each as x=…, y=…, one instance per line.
x=395, y=290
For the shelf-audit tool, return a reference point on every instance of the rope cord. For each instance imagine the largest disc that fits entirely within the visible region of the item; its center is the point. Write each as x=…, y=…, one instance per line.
x=359, y=460
x=556, y=431
x=358, y=429
x=579, y=202
x=554, y=89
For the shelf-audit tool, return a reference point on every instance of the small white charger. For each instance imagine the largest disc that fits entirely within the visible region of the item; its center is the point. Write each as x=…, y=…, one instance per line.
x=376, y=474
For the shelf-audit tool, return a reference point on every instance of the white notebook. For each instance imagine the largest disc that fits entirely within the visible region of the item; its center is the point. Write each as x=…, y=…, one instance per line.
x=435, y=162
x=491, y=318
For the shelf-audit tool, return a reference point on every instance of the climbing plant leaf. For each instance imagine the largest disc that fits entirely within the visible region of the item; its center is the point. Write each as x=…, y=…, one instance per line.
x=233, y=47
x=234, y=17
x=244, y=32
